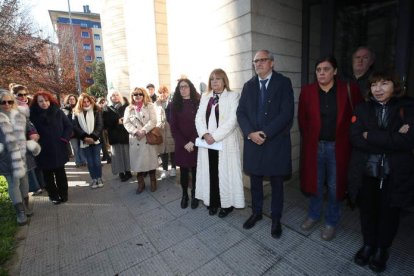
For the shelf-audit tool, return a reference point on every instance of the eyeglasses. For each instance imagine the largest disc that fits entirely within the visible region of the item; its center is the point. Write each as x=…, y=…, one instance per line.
x=21, y=95
x=260, y=60
x=7, y=102
x=184, y=86
x=138, y=94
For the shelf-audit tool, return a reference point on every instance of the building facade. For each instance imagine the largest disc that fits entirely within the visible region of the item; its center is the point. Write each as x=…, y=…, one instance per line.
x=87, y=34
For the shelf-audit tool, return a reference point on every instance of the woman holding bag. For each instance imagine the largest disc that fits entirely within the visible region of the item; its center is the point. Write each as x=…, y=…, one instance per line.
x=140, y=118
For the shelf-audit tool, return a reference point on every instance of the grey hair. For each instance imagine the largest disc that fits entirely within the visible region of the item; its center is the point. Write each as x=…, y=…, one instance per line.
x=4, y=93
x=365, y=48
x=268, y=53
x=113, y=91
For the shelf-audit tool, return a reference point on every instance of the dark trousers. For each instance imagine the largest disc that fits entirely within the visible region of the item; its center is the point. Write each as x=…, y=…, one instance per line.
x=214, y=179
x=256, y=182
x=184, y=174
x=379, y=221
x=56, y=183
x=164, y=158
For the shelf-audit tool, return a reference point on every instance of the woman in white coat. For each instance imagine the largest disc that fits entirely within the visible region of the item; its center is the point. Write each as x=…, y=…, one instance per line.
x=140, y=117
x=219, y=175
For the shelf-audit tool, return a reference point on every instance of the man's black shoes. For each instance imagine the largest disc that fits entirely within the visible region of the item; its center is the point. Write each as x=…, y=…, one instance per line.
x=251, y=221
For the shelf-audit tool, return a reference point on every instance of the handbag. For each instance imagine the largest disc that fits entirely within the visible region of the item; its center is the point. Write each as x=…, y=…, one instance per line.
x=154, y=136
x=377, y=166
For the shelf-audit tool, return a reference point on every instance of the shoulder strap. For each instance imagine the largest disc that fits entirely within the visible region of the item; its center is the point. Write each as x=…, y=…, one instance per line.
x=348, y=88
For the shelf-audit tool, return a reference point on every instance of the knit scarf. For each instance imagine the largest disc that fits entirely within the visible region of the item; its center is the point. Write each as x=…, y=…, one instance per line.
x=86, y=121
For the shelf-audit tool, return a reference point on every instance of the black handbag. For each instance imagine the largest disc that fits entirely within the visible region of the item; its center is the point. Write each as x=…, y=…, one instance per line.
x=377, y=166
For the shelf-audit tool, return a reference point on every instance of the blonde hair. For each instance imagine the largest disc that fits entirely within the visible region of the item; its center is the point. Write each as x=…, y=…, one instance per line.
x=5, y=94
x=219, y=73
x=142, y=90
x=79, y=105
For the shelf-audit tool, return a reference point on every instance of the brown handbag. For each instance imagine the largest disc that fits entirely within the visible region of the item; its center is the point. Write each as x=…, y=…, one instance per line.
x=154, y=137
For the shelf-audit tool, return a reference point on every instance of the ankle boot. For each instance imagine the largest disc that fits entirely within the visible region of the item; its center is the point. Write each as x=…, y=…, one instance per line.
x=21, y=216
x=128, y=175
x=379, y=260
x=122, y=176
x=184, y=201
x=153, y=181
x=141, y=183
x=363, y=255
x=27, y=210
x=194, y=201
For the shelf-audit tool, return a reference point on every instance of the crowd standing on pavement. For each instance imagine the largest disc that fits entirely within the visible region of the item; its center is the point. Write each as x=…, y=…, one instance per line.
x=356, y=132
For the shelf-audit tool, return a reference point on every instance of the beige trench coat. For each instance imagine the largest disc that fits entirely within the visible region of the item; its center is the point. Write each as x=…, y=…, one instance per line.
x=168, y=144
x=143, y=157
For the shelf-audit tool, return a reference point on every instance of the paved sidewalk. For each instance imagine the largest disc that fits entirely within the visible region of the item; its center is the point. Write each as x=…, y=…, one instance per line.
x=111, y=231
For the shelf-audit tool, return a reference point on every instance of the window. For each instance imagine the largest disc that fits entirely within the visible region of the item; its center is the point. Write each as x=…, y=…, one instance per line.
x=97, y=37
x=85, y=34
x=86, y=46
x=99, y=58
x=84, y=25
x=98, y=48
x=96, y=26
x=88, y=69
x=88, y=58
x=89, y=81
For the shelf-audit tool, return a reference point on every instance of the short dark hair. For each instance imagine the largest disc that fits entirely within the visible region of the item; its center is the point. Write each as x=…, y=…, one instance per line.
x=387, y=75
x=150, y=85
x=331, y=59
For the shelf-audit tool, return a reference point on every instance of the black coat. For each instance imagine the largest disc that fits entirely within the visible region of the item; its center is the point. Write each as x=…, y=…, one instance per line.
x=55, y=130
x=117, y=133
x=398, y=147
x=273, y=157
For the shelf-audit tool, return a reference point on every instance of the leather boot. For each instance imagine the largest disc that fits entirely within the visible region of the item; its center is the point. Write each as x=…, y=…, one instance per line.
x=21, y=216
x=194, y=201
x=363, y=255
x=141, y=183
x=27, y=210
x=379, y=260
x=153, y=181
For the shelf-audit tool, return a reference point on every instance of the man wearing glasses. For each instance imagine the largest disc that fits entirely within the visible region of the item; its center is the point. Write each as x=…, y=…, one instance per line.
x=265, y=116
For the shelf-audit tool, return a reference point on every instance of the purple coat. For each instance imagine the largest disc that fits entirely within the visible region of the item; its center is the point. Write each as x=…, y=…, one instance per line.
x=183, y=130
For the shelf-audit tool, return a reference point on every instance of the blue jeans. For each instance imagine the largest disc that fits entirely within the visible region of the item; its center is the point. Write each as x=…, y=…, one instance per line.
x=34, y=185
x=18, y=188
x=79, y=155
x=92, y=154
x=326, y=173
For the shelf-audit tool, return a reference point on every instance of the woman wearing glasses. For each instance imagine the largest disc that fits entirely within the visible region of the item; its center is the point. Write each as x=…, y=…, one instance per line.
x=325, y=110
x=13, y=146
x=183, y=110
x=140, y=117
x=219, y=173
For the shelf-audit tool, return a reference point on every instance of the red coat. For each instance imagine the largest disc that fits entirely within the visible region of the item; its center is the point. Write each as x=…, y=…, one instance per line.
x=310, y=126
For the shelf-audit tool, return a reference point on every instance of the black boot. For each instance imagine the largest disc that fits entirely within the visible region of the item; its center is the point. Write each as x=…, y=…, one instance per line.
x=128, y=175
x=379, y=260
x=27, y=210
x=194, y=201
x=362, y=256
x=122, y=176
x=184, y=199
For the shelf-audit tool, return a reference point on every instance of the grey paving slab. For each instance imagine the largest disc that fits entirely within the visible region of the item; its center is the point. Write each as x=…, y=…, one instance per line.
x=43, y=220
x=153, y=217
x=346, y=242
x=40, y=254
x=293, y=217
x=220, y=237
x=66, y=217
x=115, y=233
x=249, y=258
x=168, y=234
x=400, y=264
x=131, y=252
x=198, y=219
x=98, y=264
x=287, y=242
x=214, y=267
x=283, y=267
x=154, y=266
x=174, y=207
x=239, y=216
x=315, y=259
x=187, y=256
x=142, y=203
x=167, y=191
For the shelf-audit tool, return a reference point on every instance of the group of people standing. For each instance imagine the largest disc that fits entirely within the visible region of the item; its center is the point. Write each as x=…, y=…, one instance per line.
x=357, y=142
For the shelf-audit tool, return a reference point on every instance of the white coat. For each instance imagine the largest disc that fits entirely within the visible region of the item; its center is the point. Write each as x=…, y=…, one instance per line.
x=143, y=157
x=229, y=163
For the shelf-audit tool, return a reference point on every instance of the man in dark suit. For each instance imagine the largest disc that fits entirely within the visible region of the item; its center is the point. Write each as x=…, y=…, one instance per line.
x=265, y=115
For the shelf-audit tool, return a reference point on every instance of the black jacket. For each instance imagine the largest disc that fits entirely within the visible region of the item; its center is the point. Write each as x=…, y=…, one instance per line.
x=398, y=147
x=97, y=131
x=117, y=133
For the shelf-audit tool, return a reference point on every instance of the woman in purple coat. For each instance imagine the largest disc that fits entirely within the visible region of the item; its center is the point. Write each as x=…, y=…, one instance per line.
x=183, y=111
